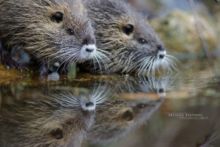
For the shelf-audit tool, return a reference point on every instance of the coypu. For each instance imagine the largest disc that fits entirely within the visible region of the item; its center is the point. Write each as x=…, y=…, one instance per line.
x=116, y=118
x=126, y=38
x=50, y=31
x=55, y=119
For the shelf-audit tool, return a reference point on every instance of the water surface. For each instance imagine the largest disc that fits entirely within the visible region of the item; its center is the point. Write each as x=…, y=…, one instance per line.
x=174, y=110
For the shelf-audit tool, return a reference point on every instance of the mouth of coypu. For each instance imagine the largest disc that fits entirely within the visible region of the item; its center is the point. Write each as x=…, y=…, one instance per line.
x=155, y=63
x=138, y=63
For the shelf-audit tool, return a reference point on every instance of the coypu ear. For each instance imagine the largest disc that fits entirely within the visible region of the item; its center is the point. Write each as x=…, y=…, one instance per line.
x=57, y=17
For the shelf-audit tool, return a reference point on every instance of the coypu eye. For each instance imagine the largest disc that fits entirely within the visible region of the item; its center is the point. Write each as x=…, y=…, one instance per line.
x=128, y=29
x=57, y=17
x=128, y=115
x=142, y=41
x=70, y=31
x=141, y=106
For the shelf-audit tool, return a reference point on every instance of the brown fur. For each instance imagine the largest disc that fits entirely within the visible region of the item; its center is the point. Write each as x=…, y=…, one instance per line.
x=125, y=37
x=116, y=118
x=29, y=25
x=55, y=119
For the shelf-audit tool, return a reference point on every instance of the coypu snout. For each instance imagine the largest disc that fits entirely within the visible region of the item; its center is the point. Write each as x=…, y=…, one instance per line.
x=88, y=51
x=161, y=52
x=89, y=106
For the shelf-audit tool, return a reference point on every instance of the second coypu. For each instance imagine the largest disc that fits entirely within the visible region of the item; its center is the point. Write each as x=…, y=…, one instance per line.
x=129, y=42
x=50, y=31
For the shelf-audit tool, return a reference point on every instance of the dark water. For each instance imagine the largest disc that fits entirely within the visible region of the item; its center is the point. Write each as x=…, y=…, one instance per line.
x=175, y=110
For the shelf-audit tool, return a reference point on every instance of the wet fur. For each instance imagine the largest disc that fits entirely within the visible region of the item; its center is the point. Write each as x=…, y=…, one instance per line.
x=54, y=118
x=125, y=54
x=116, y=118
x=26, y=25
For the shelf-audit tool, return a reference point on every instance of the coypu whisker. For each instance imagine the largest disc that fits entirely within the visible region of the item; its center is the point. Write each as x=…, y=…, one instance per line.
x=67, y=99
x=160, y=85
x=98, y=62
x=146, y=65
x=100, y=94
x=100, y=59
x=153, y=64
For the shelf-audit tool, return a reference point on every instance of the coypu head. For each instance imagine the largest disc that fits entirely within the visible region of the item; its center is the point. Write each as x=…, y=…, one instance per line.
x=127, y=39
x=157, y=86
x=118, y=117
x=82, y=98
x=49, y=30
x=52, y=119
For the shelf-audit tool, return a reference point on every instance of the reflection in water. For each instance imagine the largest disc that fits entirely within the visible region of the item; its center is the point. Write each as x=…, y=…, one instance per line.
x=121, y=112
x=116, y=118
x=58, y=118
x=131, y=107
x=147, y=85
x=64, y=116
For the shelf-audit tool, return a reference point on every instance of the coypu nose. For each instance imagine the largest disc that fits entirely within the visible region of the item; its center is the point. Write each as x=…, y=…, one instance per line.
x=161, y=56
x=89, y=50
x=161, y=52
x=89, y=104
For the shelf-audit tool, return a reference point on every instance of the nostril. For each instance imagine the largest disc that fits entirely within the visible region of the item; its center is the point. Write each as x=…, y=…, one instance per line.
x=89, y=50
x=89, y=104
x=161, y=56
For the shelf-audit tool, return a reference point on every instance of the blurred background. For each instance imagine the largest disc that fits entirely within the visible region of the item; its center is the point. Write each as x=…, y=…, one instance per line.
x=189, y=28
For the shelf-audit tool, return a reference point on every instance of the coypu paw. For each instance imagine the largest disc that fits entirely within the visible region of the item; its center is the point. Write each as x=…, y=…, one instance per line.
x=50, y=72
x=14, y=58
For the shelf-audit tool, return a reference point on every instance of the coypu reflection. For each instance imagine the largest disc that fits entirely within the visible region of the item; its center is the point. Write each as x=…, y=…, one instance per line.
x=126, y=112
x=118, y=117
x=155, y=85
x=57, y=119
x=65, y=115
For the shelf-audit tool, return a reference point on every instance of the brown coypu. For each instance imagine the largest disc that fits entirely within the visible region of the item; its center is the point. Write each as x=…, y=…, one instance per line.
x=129, y=42
x=118, y=117
x=48, y=30
x=55, y=118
